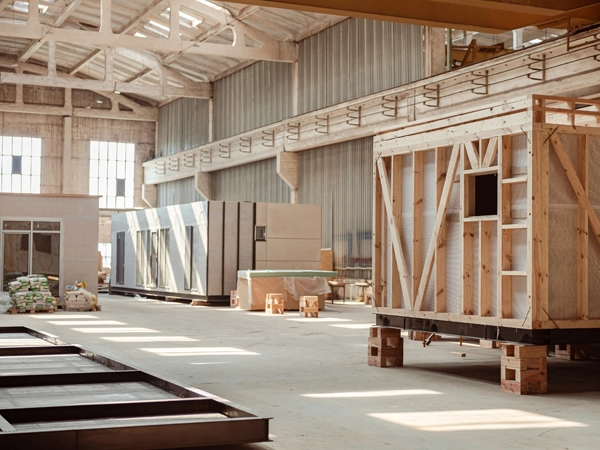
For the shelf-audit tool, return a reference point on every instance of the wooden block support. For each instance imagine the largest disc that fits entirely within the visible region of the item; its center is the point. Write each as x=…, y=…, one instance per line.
x=386, y=347
x=422, y=336
x=523, y=369
x=309, y=306
x=489, y=344
x=274, y=304
x=234, y=299
x=572, y=352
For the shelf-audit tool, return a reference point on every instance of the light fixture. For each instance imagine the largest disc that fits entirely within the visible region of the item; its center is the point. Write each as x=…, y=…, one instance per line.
x=98, y=101
x=117, y=92
x=14, y=64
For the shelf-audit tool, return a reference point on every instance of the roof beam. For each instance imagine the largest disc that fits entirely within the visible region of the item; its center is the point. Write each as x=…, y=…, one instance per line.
x=62, y=17
x=146, y=115
x=203, y=91
x=488, y=16
x=128, y=28
x=278, y=51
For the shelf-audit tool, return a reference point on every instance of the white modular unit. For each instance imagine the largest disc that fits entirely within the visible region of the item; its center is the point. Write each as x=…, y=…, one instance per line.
x=194, y=251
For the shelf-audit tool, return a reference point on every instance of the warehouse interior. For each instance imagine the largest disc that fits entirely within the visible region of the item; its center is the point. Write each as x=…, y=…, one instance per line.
x=337, y=224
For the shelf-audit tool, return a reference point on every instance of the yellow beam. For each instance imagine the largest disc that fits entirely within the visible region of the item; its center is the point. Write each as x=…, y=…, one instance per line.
x=493, y=16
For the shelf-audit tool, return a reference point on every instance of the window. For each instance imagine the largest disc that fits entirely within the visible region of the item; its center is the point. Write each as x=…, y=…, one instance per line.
x=20, y=164
x=112, y=173
x=486, y=195
x=120, y=279
x=105, y=251
x=31, y=247
x=191, y=242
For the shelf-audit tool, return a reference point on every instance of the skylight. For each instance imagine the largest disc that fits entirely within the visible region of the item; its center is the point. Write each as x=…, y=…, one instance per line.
x=213, y=6
x=186, y=20
x=24, y=7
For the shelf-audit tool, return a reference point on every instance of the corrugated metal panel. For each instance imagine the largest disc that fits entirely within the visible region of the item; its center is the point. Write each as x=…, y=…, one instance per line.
x=339, y=177
x=357, y=57
x=178, y=192
x=255, y=182
x=252, y=97
x=182, y=124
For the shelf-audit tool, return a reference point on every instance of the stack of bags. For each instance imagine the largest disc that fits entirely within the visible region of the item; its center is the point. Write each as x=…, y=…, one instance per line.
x=78, y=298
x=31, y=292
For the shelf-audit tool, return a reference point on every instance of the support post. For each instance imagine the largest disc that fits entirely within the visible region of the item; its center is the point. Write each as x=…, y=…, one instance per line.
x=287, y=169
x=150, y=195
x=434, y=51
x=204, y=184
x=582, y=232
x=440, y=248
x=524, y=369
x=66, y=155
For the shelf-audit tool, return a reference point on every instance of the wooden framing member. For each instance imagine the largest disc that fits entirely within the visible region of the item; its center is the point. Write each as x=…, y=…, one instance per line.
x=396, y=242
x=582, y=232
x=397, y=212
x=440, y=218
x=417, y=254
x=378, y=218
x=485, y=262
x=440, y=248
x=466, y=231
x=505, y=234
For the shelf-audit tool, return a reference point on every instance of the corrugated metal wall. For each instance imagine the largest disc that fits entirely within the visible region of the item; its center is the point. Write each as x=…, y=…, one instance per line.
x=253, y=97
x=182, y=124
x=178, y=192
x=357, y=57
x=255, y=182
x=339, y=177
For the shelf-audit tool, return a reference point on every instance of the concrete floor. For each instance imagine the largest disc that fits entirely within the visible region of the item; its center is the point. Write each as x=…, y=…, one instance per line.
x=312, y=377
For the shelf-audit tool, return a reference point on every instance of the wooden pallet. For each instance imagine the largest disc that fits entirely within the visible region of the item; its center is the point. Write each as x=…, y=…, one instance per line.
x=31, y=311
x=93, y=308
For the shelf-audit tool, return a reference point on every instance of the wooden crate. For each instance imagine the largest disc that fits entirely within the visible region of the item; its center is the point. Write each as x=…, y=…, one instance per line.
x=309, y=306
x=491, y=219
x=274, y=304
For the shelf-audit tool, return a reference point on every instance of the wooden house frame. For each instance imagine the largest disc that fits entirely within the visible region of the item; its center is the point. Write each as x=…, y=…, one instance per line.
x=528, y=272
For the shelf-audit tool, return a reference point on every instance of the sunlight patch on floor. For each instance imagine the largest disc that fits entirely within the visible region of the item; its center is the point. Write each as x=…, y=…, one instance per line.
x=475, y=420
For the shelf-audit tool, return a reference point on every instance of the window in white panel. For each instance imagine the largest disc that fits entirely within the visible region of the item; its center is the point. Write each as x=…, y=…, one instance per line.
x=20, y=164
x=112, y=173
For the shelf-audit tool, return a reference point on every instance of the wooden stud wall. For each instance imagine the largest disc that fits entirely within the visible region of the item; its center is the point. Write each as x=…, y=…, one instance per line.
x=501, y=282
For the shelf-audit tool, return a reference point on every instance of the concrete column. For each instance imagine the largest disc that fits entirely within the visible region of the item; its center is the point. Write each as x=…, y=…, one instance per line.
x=434, y=60
x=67, y=175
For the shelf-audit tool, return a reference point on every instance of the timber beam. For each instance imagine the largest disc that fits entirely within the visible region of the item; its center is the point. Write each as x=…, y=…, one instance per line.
x=493, y=16
x=439, y=101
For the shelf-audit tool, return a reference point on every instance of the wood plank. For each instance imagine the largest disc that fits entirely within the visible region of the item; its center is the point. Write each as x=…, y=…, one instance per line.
x=505, y=236
x=468, y=287
x=473, y=155
x=485, y=262
x=582, y=231
x=397, y=212
x=394, y=231
x=384, y=240
x=440, y=217
x=378, y=216
x=440, y=248
x=491, y=151
x=417, y=253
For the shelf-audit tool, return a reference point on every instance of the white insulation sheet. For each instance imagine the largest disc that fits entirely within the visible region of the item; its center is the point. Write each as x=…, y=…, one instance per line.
x=429, y=210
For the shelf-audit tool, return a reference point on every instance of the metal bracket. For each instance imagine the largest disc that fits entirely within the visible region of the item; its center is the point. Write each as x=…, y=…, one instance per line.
x=354, y=116
x=225, y=150
x=391, y=106
x=268, y=138
x=206, y=156
x=293, y=131
x=189, y=160
x=246, y=143
x=432, y=94
x=535, y=75
x=160, y=167
x=482, y=83
x=322, y=124
x=174, y=164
